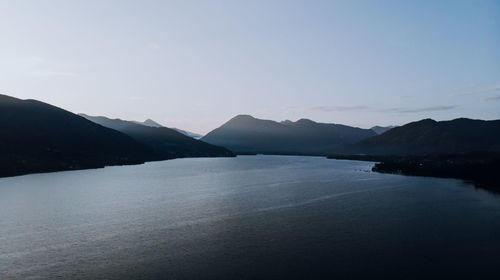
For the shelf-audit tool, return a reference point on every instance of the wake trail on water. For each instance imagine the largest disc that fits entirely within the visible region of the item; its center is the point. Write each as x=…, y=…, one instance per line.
x=322, y=198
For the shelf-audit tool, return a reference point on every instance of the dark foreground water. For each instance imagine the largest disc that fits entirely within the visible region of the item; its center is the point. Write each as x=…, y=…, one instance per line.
x=248, y=217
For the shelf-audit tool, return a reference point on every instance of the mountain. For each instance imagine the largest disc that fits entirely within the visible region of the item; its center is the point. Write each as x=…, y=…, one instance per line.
x=166, y=142
x=38, y=137
x=381, y=129
x=188, y=133
x=151, y=123
x=246, y=134
x=429, y=137
x=148, y=122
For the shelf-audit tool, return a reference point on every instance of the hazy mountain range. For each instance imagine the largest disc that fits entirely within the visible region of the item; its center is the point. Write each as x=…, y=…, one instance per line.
x=148, y=122
x=151, y=123
x=164, y=141
x=246, y=134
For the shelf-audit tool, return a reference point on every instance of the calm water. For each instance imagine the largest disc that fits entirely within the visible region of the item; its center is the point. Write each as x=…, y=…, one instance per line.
x=246, y=217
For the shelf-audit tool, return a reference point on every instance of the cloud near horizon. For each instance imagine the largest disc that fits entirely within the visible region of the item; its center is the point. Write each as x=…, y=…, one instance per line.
x=476, y=92
x=492, y=98
x=386, y=110
x=428, y=109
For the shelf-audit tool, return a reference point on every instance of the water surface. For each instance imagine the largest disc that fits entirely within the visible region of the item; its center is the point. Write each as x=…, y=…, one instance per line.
x=246, y=217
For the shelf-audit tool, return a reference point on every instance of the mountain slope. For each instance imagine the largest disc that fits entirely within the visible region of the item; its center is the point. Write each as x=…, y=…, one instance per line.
x=246, y=134
x=429, y=137
x=151, y=123
x=188, y=133
x=164, y=141
x=381, y=129
x=38, y=137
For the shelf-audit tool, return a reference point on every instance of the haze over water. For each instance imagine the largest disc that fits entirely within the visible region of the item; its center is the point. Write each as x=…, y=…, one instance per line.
x=245, y=217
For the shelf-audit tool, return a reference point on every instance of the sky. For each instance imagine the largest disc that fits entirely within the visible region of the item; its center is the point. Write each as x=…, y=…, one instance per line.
x=196, y=64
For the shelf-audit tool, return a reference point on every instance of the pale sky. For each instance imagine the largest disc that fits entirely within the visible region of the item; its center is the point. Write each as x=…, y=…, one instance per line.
x=195, y=64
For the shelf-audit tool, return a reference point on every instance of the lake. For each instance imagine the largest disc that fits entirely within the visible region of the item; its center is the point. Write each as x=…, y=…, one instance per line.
x=249, y=217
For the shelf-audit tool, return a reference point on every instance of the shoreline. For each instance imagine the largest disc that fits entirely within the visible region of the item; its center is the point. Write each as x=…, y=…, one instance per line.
x=71, y=168
x=481, y=171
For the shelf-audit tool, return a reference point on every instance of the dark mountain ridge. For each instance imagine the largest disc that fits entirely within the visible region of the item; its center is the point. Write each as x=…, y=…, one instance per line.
x=430, y=137
x=38, y=137
x=460, y=148
x=246, y=134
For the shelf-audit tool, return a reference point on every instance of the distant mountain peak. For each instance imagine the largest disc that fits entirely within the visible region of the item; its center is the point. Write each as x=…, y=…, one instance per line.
x=300, y=121
x=151, y=123
x=428, y=120
x=166, y=142
x=242, y=117
x=305, y=121
x=242, y=120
